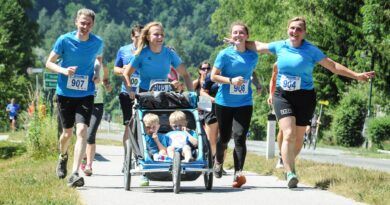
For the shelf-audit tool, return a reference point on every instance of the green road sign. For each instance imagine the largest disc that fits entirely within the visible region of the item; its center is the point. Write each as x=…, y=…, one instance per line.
x=50, y=76
x=50, y=80
x=50, y=85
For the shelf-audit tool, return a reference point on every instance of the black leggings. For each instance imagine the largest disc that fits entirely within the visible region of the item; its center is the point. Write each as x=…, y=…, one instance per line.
x=96, y=117
x=233, y=121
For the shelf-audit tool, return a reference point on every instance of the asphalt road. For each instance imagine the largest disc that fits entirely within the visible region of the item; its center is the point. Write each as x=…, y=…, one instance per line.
x=105, y=186
x=324, y=155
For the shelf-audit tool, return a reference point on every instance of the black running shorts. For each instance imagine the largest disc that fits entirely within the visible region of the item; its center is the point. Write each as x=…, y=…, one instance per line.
x=75, y=110
x=299, y=103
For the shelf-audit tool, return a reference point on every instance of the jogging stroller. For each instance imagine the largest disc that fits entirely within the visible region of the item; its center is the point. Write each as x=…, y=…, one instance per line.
x=138, y=161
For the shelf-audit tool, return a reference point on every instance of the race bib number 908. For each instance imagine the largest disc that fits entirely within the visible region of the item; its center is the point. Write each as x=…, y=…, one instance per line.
x=77, y=82
x=239, y=89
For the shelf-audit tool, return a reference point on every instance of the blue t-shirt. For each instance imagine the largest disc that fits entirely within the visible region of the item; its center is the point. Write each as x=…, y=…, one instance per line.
x=154, y=66
x=233, y=63
x=151, y=144
x=179, y=138
x=13, y=109
x=296, y=62
x=123, y=57
x=81, y=54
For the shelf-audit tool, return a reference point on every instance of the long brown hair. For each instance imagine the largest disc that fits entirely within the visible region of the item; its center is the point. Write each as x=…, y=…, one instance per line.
x=143, y=40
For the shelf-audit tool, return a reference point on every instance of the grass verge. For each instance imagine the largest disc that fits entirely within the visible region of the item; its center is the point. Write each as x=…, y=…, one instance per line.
x=359, y=151
x=31, y=181
x=368, y=186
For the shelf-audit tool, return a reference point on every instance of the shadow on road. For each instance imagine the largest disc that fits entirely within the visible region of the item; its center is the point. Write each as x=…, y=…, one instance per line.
x=99, y=157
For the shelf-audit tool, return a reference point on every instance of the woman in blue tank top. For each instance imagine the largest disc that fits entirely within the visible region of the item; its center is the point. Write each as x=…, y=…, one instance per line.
x=233, y=69
x=153, y=60
x=294, y=99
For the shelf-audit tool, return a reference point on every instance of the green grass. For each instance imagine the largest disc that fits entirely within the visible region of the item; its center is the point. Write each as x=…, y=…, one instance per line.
x=108, y=142
x=360, y=151
x=26, y=181
x=368, y=186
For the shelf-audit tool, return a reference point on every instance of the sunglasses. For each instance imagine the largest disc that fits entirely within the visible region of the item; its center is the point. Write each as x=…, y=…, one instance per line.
x=205, y=68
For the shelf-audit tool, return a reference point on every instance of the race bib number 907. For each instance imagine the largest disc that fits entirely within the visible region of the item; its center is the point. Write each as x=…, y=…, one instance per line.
x=77, y=82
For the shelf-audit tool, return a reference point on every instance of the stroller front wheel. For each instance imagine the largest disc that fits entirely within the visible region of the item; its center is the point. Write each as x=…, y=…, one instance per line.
x=176, y=172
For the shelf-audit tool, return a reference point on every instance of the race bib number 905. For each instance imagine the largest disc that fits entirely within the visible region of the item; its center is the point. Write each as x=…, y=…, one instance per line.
x=239, y=89
x=159, y=88
x=77, y=82
x=290, y=83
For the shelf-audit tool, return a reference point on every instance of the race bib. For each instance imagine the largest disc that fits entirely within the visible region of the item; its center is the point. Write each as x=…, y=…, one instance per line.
x=159, y=88
x=77, y=82
x=135, y=81
x=290, y=83
x=239, y=89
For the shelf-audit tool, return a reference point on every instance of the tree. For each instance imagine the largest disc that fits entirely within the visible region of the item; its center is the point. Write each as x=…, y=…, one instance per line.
x=18, y=37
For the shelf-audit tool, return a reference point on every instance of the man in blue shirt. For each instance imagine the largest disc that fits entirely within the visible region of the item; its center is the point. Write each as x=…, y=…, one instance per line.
x=12, y=110
x=76, y=86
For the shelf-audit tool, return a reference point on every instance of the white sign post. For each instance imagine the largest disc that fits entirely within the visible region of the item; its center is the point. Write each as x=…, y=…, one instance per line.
x=271, y=127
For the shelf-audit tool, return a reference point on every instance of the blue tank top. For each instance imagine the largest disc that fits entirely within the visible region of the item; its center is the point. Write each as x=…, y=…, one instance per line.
x=123, y=57
x=154, y=66
x=82, y=54
x=233, y=63
x=295, y=65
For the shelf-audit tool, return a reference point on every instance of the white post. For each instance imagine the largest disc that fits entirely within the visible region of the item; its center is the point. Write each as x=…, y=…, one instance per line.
x=271, y=127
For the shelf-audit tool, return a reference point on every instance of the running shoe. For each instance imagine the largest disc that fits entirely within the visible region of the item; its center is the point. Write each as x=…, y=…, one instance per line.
x=218, y=170
x=83, y=163
x=88, y=170
x=239, y=180
x=75, y=181
x=224, y=173
x=279, y=164
x=144, y=181
x=292, y=180
x=61, y=166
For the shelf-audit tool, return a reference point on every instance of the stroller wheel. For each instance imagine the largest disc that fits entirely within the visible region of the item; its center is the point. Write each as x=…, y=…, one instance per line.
x=127, y=166
x=176, y=172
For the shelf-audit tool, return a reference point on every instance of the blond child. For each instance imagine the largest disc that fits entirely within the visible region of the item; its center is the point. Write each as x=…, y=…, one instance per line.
x=156, y=143
x=181, y=138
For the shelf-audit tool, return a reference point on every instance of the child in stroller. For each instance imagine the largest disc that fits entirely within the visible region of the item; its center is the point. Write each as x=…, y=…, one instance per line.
x=181, y=138
x=156, y=143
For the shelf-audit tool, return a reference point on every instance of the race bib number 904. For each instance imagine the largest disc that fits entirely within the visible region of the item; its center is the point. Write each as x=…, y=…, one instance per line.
x=239, y=89
x=77, y=82
x=290, y=83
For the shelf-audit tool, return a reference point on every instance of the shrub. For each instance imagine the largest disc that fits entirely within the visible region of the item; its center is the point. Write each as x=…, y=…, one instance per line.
x=348, y=118
x=378, y=130
x=41, y=139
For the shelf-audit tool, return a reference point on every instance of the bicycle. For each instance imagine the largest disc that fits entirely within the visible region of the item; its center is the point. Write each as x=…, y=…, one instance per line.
x=311, y=134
